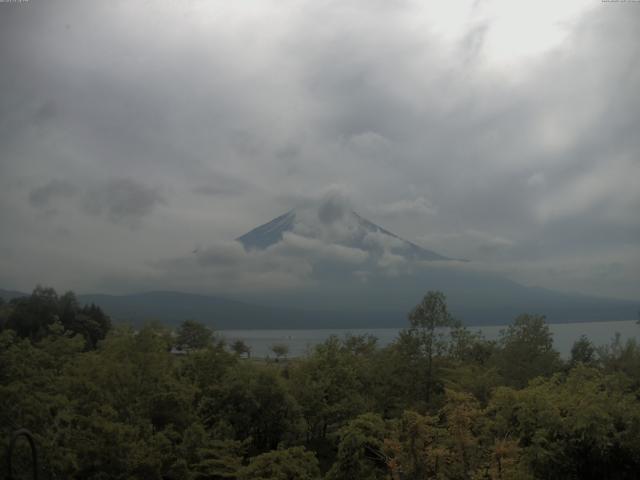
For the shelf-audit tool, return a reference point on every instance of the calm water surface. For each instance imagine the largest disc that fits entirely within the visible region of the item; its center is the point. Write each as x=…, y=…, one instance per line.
x=302, y=341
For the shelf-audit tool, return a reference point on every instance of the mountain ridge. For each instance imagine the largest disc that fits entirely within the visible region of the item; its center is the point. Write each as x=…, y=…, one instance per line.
x=223, y=313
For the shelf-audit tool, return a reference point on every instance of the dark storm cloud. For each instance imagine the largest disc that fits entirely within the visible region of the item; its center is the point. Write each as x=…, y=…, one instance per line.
x=430, y=122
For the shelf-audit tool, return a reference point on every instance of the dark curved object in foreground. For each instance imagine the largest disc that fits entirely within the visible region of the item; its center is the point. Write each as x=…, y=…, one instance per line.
x=23, y=432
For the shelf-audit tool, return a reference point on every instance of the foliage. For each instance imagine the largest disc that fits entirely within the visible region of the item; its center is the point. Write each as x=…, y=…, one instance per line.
x=527, y=351
x=280, y=350
x=294, y=463
x=193, y=335
x=425, y=334
x=621, y=357
x=583, y=352
x=34, y=316
x=251, y=403
x=584, y=425
x=328, y=388
x=360, y=452
x=440, y=402
x=240, y=348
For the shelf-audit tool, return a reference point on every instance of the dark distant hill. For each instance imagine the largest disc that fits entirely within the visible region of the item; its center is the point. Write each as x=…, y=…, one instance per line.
x=477, y=308
x=7, y=295
x=220, y=313
x=474, y=310
x=173, y=307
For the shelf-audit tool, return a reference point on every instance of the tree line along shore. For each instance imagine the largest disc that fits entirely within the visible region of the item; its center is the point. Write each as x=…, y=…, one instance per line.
x=440, y=402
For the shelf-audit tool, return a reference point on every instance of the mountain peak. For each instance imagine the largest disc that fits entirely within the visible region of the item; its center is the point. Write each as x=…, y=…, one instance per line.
x=346, y=228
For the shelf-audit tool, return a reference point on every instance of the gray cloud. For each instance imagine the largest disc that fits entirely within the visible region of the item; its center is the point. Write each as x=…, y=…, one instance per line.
x=333, y=207
x=122, y=200
x=523, y=162
x=42, y=197
x=417, y=205
x=220, y=184
x=214, y=190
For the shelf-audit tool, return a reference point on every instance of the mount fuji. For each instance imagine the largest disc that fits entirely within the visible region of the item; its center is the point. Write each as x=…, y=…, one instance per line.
x=358, y=232
x=355, y=274
x=391, y=274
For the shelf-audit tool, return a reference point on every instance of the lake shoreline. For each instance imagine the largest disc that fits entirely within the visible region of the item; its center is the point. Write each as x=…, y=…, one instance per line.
x=302, y=341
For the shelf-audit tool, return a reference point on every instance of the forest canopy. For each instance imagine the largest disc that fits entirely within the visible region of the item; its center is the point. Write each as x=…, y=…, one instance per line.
x=108, y=401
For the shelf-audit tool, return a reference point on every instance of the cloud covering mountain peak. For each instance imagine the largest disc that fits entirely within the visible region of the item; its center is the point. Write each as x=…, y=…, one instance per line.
x=331, y=224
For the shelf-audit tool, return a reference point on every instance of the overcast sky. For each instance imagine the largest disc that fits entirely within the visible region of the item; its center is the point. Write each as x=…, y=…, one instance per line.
x=133, y=133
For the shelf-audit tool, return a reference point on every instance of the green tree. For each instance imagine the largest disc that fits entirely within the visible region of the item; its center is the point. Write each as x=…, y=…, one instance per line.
x=361, y=450
x=206, y=369
x=93, y=324
x=584, y=425
x=470, y=347
x=427, y=321
x=328, y=388
x=414, y=448
x=240, y=348
x=194, y=335
x=294, y=463
x=527, y=351
x=200, y=455
x=280, y=350
x=583, y=352
x=621, y=356
x=5, y=312
x=361, y=345
x=252, y=402
x=31, y=316
x=89, y=321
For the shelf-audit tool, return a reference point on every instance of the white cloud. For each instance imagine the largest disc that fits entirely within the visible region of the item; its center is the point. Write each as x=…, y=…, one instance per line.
x=319, y=250
x=471, y=244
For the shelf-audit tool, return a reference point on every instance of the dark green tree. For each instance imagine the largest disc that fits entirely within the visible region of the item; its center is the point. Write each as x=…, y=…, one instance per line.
x=583, y=352
x=89, y=321
x=294, y=463
x=621, y=356
x=200, y=455
x=328, y=388
x=428, y=321
x=584, y=425
x=361, y=450
x=280, y=350
x=31, y=316
x=194, y=335
x=251, y=402
x=240, y=348
x=527, y=351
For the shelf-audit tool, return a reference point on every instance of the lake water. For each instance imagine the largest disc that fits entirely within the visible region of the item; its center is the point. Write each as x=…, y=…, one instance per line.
x=302, y=341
